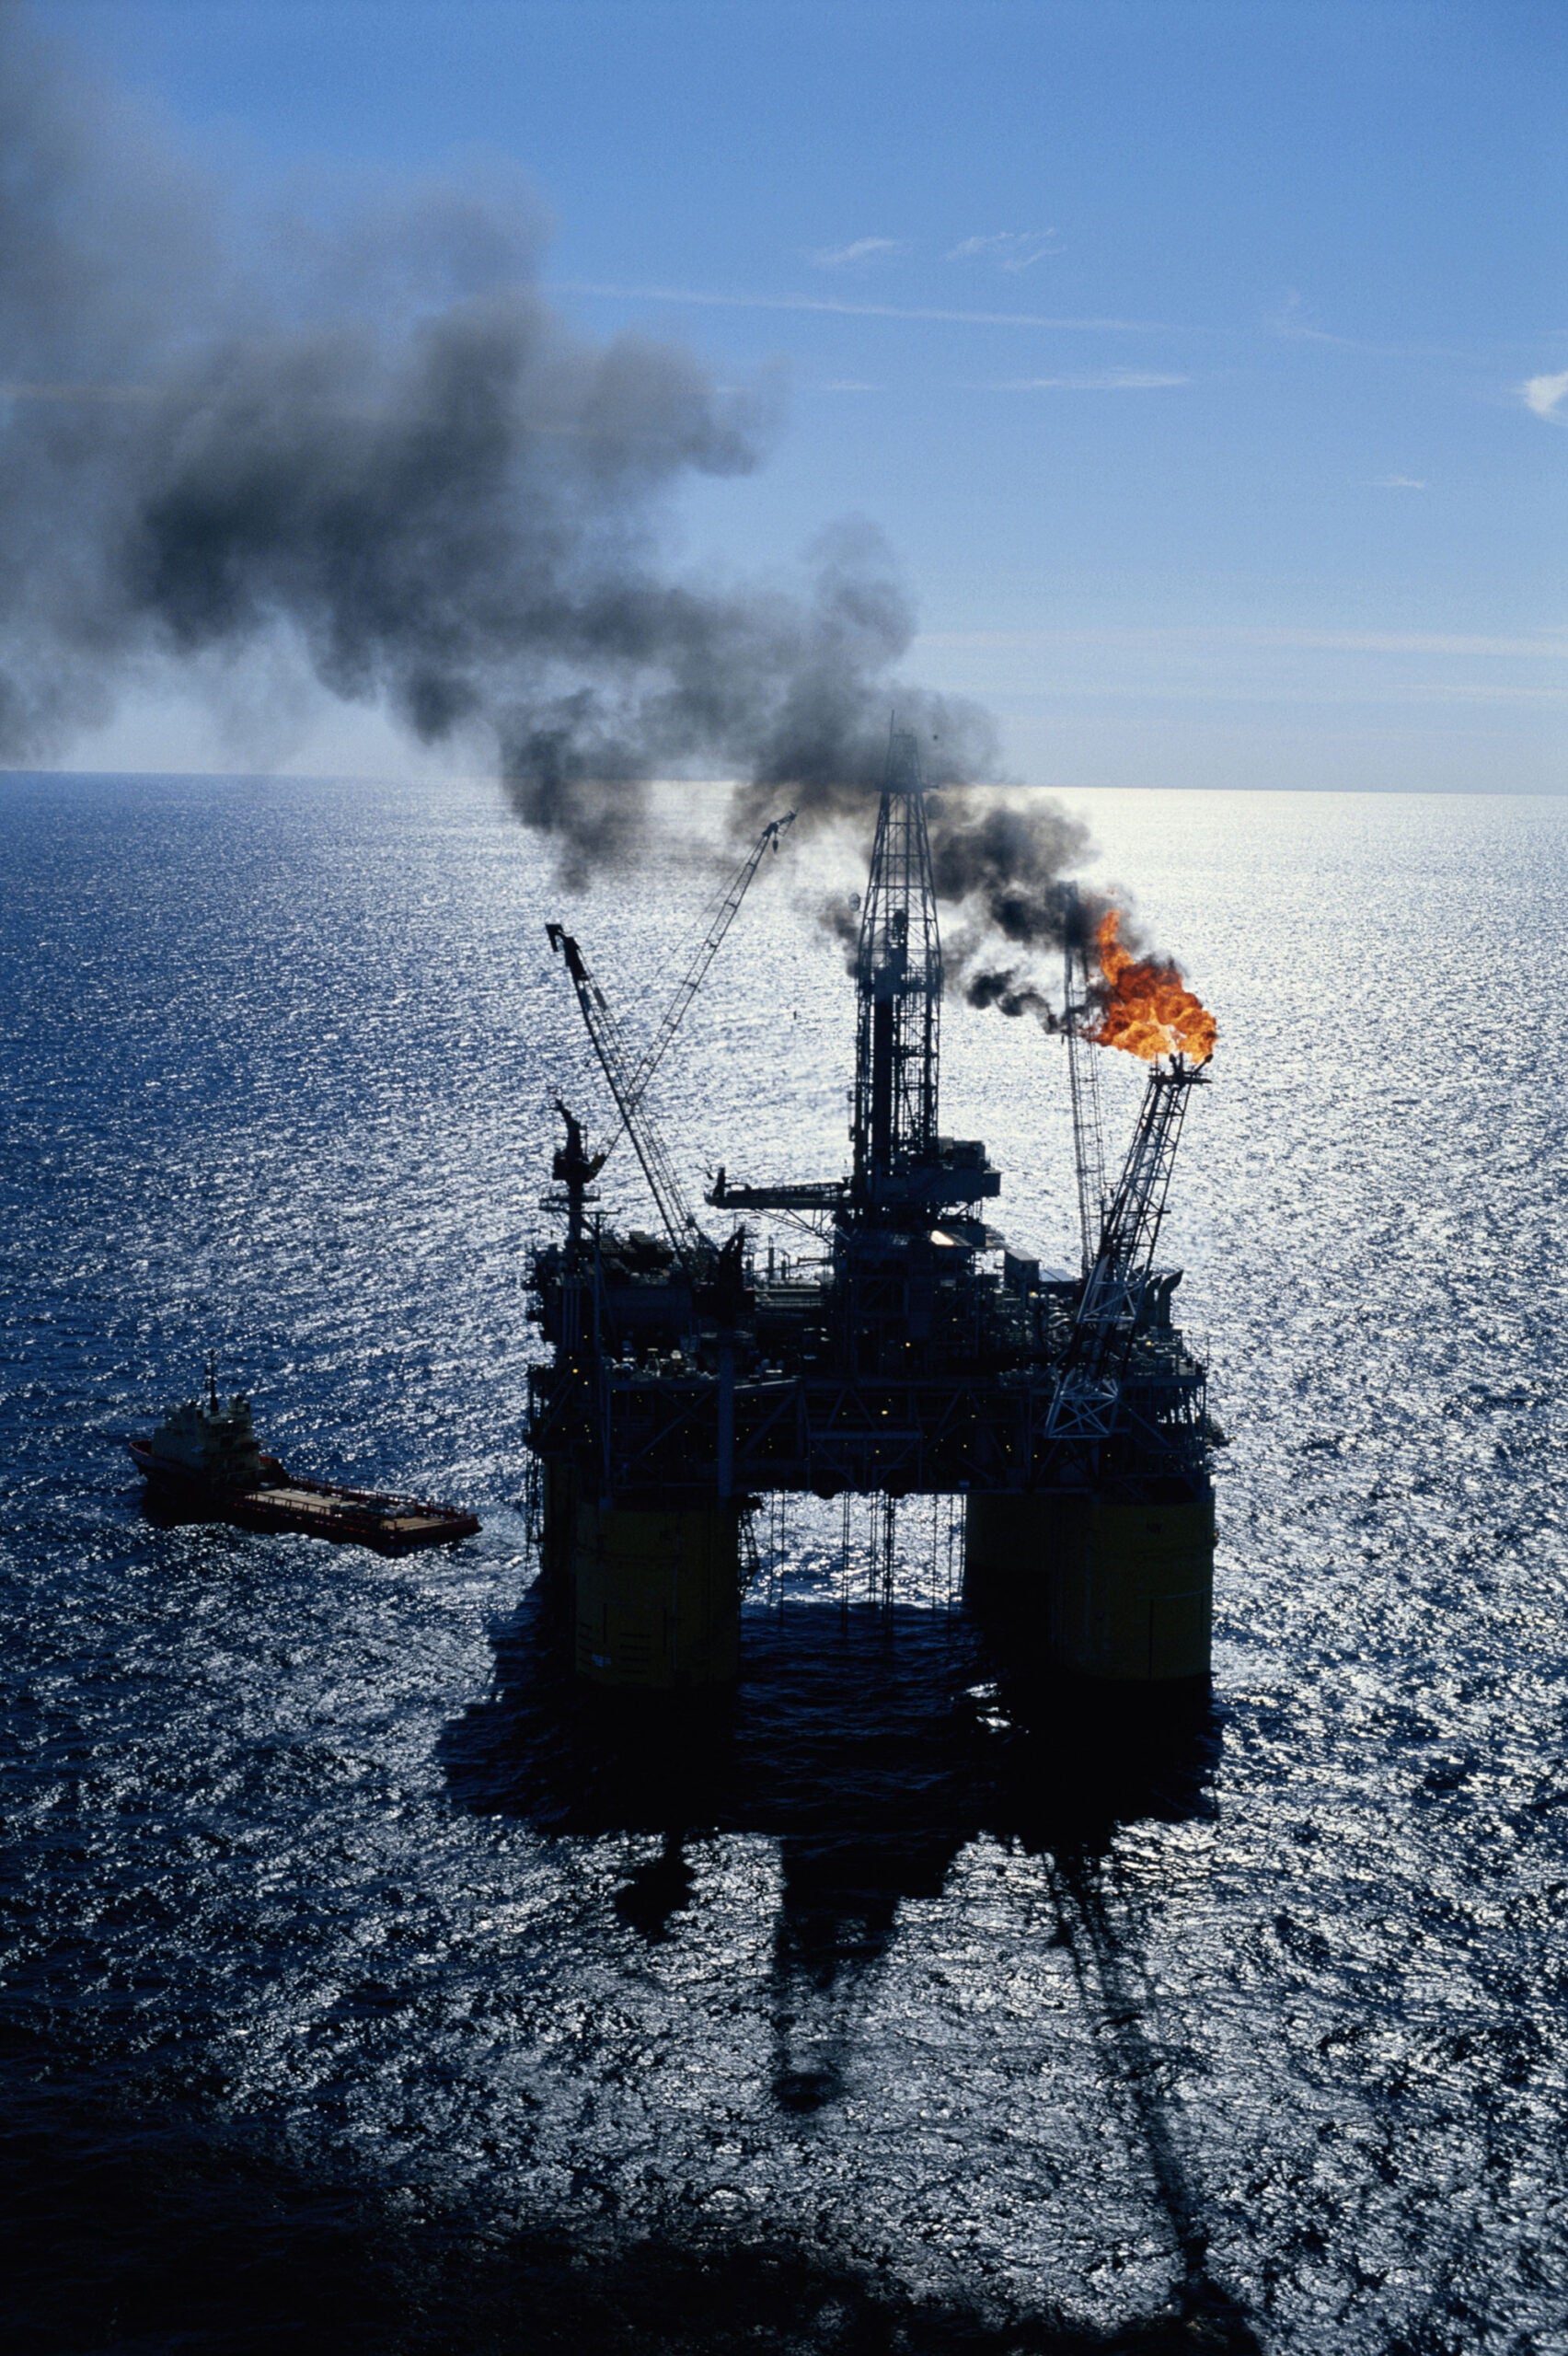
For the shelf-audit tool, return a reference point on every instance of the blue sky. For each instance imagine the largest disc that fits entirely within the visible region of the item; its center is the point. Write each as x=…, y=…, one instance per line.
x=1207, y=365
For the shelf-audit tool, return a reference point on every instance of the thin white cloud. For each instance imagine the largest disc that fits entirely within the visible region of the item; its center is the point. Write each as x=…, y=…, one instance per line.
x=855, y=256
x=1291, y=322
x=1007, y=249
x=1549, y=645
x=1398, y=482
x=1106, y=380
x=1545, y=396
x=846, y=384
x=847, y=310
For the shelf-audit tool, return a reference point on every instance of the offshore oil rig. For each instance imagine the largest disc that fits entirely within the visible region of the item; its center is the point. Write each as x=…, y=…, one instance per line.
x=916, y=1355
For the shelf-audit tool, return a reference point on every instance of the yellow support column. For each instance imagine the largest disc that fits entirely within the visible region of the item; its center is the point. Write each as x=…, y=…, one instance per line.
x=561, y=1487
x=656, y=1595
x=1098, y=1587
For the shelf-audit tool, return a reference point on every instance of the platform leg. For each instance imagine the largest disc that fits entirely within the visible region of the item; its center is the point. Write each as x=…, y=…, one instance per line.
x=1097, y=1587
x=656, y=1595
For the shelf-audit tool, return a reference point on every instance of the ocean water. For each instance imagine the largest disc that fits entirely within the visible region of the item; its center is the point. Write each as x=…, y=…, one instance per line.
x=361, y=1986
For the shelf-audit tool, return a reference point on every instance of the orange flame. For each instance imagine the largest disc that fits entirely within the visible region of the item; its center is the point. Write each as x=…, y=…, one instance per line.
x=1149, y=1010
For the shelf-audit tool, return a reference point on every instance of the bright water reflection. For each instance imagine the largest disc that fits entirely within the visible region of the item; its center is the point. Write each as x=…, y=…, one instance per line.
x=933, y=2000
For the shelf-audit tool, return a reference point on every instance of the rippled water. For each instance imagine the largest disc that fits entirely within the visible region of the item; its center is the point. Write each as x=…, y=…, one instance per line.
x=363, y=1986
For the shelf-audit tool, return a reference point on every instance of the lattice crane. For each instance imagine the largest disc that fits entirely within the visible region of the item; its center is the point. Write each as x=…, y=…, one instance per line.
x=1087, y=1390
x=686, y=1239
x=725, y=911
x=629, y=1077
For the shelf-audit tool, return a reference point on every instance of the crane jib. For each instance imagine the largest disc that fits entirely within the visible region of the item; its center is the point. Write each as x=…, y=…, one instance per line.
x=629, y=1078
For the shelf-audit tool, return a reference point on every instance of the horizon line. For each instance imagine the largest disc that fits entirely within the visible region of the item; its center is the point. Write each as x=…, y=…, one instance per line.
x=10, y=773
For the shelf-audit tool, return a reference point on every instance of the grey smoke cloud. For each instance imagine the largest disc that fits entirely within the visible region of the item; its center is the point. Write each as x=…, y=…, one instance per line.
x=1007, y=869
x=365, y=431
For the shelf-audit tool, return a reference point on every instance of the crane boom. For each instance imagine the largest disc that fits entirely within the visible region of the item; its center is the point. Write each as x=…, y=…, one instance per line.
x=1113, y=1299
x=603, y=1033
x=1112, y=1292
x=723, y=917
x=690, y=983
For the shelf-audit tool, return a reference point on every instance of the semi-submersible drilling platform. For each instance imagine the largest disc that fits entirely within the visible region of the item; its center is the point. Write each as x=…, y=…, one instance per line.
x=919, y=1356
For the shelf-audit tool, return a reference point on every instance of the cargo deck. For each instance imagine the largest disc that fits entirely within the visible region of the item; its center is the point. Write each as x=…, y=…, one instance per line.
x=293, y=1501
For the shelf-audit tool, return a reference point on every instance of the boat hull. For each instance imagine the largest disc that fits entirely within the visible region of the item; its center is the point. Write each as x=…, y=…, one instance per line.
x=286, y=1501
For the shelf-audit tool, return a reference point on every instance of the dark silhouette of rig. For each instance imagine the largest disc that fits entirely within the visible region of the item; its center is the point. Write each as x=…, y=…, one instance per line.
x=915, y=1354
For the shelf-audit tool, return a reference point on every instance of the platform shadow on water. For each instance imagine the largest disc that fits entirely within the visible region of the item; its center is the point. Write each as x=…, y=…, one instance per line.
x=868, y=1727
x=871, y=1748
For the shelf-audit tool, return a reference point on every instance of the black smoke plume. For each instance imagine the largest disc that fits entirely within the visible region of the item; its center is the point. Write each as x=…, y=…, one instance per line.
x=1005, y=868
x=1009, y=990
x=365, y=437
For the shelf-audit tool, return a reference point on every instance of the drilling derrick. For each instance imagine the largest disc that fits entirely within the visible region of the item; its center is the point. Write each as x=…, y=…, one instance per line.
x=896, y=1291
x=913, y=1353
x=898, y=985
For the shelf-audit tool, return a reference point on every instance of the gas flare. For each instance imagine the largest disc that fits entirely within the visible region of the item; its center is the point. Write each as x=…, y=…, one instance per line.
x=1148, y=1010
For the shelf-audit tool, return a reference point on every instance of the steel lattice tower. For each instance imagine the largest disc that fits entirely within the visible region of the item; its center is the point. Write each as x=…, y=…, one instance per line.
x=898, y=975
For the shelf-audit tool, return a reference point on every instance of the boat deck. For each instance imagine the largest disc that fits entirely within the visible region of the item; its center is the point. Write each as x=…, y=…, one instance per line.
x=285, y=1501
x=393, y=1525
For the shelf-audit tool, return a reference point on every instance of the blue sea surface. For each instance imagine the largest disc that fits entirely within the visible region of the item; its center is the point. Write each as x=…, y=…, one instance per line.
x=361, y=1986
